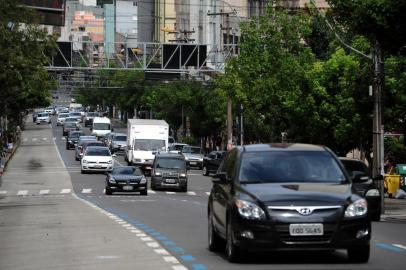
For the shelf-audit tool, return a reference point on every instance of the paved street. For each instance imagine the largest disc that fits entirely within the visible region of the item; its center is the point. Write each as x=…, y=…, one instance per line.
x=54, y=217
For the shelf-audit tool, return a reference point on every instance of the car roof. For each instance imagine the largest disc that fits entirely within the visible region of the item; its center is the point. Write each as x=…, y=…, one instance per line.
x=169, y=155
x=281, y=147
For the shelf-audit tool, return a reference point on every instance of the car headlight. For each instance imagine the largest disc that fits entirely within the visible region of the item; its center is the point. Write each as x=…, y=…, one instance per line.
x=158, y=174
x=249, y=210
x=143, y=180
x=372, y=193
x=186, y=158
x=357, y=209
x=111, y=180
x=84, y=160
x=110, y=161
x=182, y=175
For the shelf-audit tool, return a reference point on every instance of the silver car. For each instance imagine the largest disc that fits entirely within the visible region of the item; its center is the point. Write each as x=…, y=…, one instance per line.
x=193, y=156
x=43, y=117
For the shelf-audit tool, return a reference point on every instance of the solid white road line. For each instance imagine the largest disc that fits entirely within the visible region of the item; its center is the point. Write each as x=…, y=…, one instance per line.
x=87, y=190
x=43, y=191
x=22, y=193
x=65, y=191
x=399, y=246
x=170, y=192
x=191, y=193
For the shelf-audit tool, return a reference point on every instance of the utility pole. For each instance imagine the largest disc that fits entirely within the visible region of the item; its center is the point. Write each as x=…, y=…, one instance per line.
x=229, y=101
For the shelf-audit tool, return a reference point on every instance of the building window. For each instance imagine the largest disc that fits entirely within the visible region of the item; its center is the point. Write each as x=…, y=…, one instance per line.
x=134, y=4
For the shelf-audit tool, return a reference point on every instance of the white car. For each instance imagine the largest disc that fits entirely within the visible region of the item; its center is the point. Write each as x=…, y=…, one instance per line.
x=97, y=159
x=61, y=118
x=43, y=117
x=50, y=110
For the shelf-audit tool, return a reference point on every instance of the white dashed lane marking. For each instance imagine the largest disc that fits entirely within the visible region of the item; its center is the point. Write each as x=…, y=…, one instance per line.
x=44, y=191
x=3, y=191
x=170, y=192
x=65, y=191
x=208, y=193
x=87, y=190
x=22, y=193
x=34, y=139
x=191, y=193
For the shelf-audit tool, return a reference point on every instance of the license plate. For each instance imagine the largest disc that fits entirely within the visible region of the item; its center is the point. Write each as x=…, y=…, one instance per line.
x=170, y=181
x=193, y=163
x=306, y=229
x=148, y=168
x=127, y=188
x=97, y=166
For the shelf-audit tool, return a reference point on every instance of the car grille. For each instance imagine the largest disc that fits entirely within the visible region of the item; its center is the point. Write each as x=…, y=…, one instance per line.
x=284, y=235
x=170, y=175
x=123, y=182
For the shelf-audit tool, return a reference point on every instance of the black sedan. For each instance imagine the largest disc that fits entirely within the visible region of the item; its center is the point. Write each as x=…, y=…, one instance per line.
x=212, y=161
x=126, y=179
x=286, y=197
x=364, y=185
x=73, y=138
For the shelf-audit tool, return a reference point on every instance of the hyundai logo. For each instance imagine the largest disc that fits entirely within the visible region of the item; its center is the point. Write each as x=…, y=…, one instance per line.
x=305, y=211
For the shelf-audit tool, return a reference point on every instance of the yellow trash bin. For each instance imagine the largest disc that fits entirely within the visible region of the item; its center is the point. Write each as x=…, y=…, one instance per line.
x=392, y=183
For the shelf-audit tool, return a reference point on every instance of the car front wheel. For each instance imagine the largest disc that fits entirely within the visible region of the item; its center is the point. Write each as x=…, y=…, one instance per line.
x=205, y=171
x=233, y=252
x=215, y=241
x=108, y=191
x=359, y=254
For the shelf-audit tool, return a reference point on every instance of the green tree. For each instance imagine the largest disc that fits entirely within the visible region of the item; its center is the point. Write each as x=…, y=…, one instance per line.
x=24, y=83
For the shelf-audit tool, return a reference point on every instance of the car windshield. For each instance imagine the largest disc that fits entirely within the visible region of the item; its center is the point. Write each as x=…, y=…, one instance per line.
x=101, y=126
x=120, y=138
x=43, y=114
x=97, y=151
x=170, y=163
x=75, y=114
x=290, y=166
x=70, y=125
x=127, y=170
x=63, y=115
x=191, y=150
x=88, y=138
x=94, y=143
x=70, y=119
x=149, y=145
x=355, y=166
x=92, y=114
x=178, y=147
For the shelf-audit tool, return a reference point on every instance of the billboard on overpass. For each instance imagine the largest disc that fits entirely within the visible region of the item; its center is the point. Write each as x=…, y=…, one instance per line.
x=52, y=12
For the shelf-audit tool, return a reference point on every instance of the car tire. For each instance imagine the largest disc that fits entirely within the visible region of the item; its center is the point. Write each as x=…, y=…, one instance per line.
x=216, y=243
x=153, y=187
x=233, y=253
x=82, y=171
x=108, y=191
x=359, y=254
x=144, y=192
x=184, y=189
x=67, y=147
x=205, y=171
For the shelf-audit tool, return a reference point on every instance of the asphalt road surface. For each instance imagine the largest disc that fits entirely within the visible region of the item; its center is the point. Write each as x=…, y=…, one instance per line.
x=176, y=221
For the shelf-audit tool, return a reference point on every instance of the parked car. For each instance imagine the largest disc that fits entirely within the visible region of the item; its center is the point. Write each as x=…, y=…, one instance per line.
x=97, y=159
x=84, y=144
x=69, y=126
x=43, y=117
x=176, y=148
x=73, y=138
x=79, y=144
x=61, y=118
x=212, y=162
x=89, y=118
x=169, y=171
x=364, y=185
x=118, y=142
x=126, y=179
x=284, y=197
x=193, y=156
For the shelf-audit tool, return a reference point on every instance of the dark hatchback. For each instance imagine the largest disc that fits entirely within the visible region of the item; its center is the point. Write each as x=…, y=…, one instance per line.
x=126, y=179
x=364, y=185
x=212, y=162
x=73, y=138
x=169, y=171
x=286, y=197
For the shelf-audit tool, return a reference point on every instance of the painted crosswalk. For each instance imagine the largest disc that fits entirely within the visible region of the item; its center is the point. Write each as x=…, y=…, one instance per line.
x=90, y=191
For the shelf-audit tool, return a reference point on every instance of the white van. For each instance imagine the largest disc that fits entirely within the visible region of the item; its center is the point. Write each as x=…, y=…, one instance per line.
x=101, y=126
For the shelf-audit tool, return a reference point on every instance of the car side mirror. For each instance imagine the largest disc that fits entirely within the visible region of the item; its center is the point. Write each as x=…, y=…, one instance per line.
x=359, y=177
x=379, y=177
x=220, y=178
